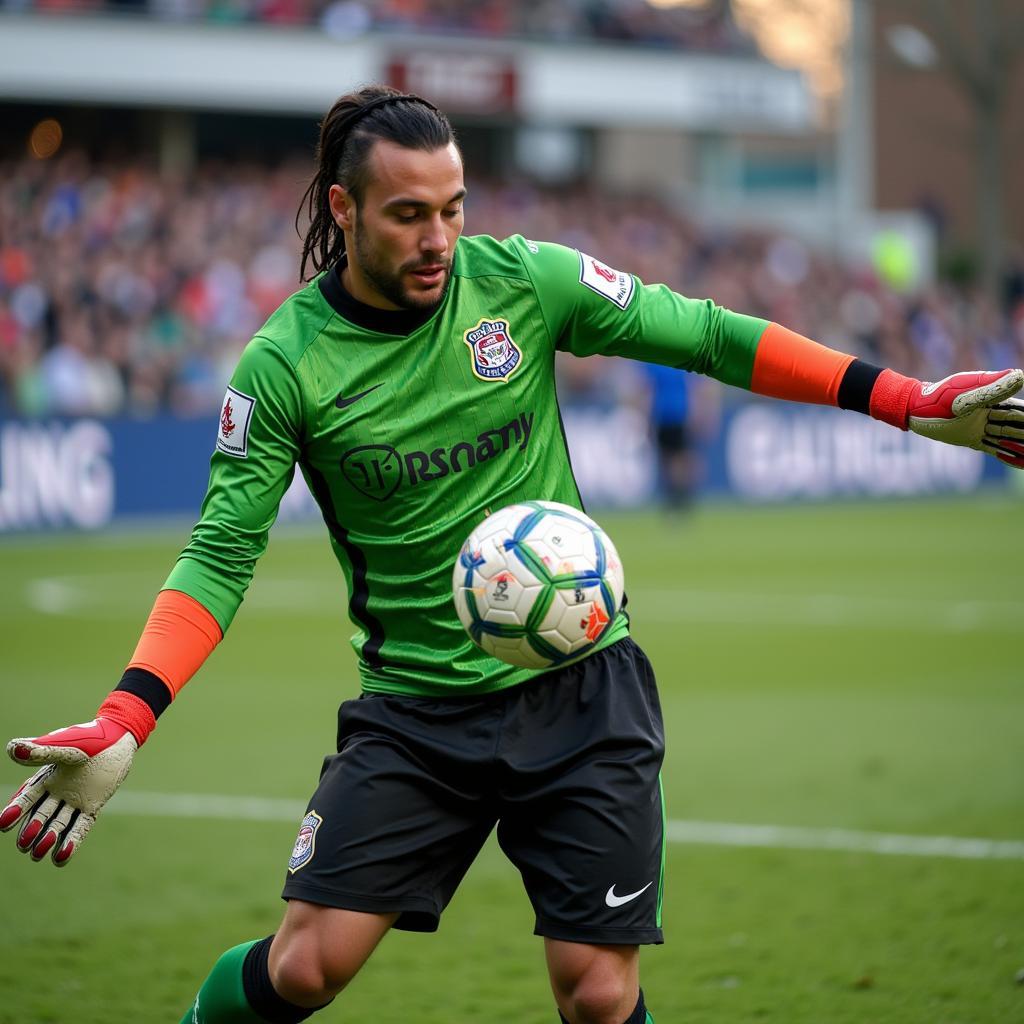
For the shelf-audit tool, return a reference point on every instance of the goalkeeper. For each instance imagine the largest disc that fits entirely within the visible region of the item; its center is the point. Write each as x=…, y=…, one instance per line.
x=412, y=383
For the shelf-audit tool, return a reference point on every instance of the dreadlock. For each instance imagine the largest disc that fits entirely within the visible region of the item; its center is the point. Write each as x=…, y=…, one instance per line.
x=351, y=127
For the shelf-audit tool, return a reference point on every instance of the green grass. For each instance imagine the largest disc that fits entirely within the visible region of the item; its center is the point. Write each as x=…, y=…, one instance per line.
x=854, y=666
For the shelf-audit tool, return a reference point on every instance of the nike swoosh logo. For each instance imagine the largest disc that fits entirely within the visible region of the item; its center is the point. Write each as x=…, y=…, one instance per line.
x=343, y=403
x=616, y=901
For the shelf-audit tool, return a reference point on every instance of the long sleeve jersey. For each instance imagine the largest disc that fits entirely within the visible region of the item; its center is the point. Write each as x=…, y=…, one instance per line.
x=407, y=441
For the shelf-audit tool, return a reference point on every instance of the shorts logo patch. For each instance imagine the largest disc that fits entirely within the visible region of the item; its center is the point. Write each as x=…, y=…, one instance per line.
x=612, y=284
x=495, y=354
x=235, y=419
x=305, y=842
x=612, y=899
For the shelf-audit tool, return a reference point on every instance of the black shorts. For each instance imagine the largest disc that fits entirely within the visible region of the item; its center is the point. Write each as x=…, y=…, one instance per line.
x=567, y=765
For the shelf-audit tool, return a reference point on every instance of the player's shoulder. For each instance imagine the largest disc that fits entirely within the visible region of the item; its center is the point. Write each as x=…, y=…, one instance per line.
x=486, y=256
x=294, y=325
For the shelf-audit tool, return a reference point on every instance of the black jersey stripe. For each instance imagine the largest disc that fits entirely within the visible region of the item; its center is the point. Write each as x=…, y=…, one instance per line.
x=360, y=597
x=572, y=474
x=565, y=443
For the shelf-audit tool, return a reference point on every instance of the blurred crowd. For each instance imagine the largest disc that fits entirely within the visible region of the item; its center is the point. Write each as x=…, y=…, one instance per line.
x=707, y=27
x=123, y=290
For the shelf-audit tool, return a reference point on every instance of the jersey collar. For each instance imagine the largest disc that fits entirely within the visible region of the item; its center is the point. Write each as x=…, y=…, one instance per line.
x=383, y=321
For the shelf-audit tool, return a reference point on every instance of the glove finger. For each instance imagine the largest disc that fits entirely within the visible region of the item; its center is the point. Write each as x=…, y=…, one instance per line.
x=998, y=390
x=1007, y=419
x=1002, y=444
x=25, y=798
x=1006, y=451
x=73, y=838
x=56, y=827
x=1010, y=447
x=995, y=429
x=1011, y=405
x=27, y=751
x=33, y=828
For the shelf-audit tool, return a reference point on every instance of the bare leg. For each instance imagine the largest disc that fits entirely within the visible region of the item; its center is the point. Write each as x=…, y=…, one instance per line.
x=593, y=984
x=318, y=950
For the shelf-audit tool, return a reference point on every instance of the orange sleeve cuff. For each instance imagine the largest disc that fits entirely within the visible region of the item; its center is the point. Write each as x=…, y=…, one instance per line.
x=180, y=635
x=788, y=365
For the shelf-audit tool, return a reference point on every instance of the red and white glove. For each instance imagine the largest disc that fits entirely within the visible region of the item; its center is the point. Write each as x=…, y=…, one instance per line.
x=974, y=409
x=81, y=767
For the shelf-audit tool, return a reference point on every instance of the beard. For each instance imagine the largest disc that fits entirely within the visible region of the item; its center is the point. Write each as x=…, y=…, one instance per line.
x=388, y=282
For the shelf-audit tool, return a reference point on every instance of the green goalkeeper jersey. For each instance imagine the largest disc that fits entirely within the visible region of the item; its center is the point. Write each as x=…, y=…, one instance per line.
x=408, y=440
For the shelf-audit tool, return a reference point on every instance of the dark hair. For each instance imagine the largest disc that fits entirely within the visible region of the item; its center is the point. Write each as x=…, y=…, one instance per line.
x=347, y=133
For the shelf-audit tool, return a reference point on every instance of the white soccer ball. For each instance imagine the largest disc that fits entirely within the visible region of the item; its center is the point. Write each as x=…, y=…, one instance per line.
x=537, y=584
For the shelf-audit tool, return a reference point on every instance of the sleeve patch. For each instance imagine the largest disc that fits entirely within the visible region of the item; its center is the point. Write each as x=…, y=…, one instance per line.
x=235, y=419
x=612, y=284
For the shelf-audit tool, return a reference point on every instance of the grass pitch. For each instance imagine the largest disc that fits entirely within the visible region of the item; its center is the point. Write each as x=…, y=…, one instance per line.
x=852, y=667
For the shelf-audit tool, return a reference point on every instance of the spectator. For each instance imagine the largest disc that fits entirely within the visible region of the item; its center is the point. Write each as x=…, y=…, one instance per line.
x=709, y=27
x=121, y=290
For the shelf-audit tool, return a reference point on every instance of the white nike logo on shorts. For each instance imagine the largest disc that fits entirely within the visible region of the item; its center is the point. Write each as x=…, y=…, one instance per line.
x=616, y=901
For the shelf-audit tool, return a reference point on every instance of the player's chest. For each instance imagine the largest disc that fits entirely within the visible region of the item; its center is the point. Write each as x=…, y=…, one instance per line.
x=395, y=416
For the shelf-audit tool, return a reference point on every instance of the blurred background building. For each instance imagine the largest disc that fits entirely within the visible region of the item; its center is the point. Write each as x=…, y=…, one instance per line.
x=841, y=166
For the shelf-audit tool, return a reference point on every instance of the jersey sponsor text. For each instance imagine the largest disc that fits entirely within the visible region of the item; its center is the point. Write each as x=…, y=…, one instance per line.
x=377, y=470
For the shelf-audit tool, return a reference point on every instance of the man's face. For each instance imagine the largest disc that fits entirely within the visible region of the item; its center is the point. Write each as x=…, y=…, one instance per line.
x=401, y=236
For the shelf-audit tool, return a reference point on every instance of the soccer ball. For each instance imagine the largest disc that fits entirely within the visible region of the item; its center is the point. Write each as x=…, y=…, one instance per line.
x=537, y=584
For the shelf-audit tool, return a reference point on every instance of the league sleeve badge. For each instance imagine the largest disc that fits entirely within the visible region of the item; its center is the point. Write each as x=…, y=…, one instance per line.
x=235, y=420
x=612, y=284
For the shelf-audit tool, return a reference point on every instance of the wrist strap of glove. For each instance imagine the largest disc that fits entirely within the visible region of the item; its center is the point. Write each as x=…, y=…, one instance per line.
x=129, y=711
x=890, y=398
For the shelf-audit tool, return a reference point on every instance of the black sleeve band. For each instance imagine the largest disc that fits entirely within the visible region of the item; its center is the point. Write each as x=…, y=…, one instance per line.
x=148, y=687
x=856, y=386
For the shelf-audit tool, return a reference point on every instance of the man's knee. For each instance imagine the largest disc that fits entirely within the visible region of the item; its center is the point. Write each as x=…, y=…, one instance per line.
x=300, y=974
x=319, y=950
x=602, y=998
x=594, y=984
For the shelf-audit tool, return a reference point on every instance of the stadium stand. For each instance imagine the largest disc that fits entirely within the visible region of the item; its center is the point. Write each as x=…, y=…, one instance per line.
x=709, y=28
x=124, y=290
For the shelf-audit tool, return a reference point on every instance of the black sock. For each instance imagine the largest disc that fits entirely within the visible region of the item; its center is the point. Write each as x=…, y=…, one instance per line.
x=260, y=992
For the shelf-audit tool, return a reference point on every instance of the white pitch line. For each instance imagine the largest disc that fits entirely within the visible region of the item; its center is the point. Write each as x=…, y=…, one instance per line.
x=206, y=805
x=785, y=837
x=700, y=833
x=105, y=595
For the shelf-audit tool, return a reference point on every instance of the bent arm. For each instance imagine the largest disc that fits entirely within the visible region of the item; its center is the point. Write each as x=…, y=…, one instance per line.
x=258, y=443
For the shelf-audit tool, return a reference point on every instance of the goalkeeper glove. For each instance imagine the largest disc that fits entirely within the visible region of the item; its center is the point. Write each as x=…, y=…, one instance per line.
x=974, y=409
x=80, y=768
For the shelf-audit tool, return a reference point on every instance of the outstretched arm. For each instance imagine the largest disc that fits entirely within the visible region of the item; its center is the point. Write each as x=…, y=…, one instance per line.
x=975, y=408
x=593, y=309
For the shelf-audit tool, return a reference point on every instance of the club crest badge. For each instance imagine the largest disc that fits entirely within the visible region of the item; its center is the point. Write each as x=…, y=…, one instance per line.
x=305, y=842
x=495, y=355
